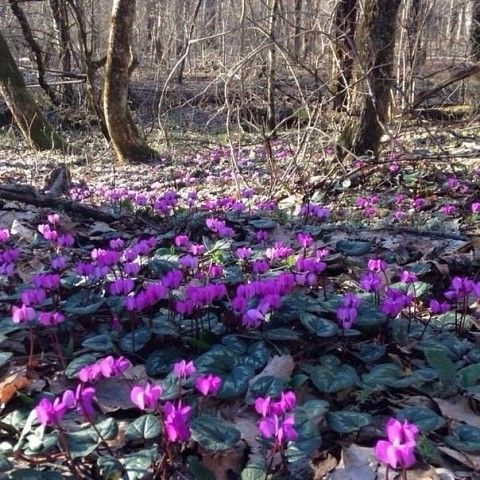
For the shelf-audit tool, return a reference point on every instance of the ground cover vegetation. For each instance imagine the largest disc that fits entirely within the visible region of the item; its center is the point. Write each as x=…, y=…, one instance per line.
x=239, y=240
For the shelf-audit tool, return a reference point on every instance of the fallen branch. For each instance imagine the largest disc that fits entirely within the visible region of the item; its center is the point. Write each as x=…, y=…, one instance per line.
x=28, y=194
x=460, y=74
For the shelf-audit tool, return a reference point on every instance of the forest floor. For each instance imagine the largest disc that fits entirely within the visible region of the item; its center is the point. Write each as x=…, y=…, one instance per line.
x=273, y=246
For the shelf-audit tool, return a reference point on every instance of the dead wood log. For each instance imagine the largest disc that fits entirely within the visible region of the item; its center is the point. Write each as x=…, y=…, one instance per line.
x=30, y=195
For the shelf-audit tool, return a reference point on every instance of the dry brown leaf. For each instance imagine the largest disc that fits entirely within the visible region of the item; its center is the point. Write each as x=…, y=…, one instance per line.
x=11, y=385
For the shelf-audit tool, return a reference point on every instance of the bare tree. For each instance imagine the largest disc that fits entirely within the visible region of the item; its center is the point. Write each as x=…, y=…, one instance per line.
x=345, y=24
x=271, y=64
x=372, y=78
x=17, y=10
x=33, y=125
x=475, y=31
x=124, y=135
x=61, y=25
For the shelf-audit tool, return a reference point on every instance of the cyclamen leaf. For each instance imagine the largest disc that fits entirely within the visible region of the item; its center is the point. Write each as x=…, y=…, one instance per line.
x=214, y=433
x=145, y=427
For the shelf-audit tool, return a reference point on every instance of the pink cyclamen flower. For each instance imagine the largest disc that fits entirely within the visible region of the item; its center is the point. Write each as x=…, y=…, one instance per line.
x=49, y=319
x=83, y=400
x=176, y=421
x=146, y=398
x=407, y=277
x=448, y=209
x=377, y=265
x=184, y=369
x=475, y=207
x=50, y=413
x=208, y=384
x=398, y=450
x=281, y=430
x=304, y=239
x=53, y=218
x=22, y=314
x=4, y=235
x=243, y=253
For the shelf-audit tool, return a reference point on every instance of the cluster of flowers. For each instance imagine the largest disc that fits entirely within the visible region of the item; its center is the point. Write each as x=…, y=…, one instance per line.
x=277, y=422
x=268, y=293
x=314, y=210
x=8, y=256
x=199, y=296
x=50, y=232
x=175, y=415
x=43, y=283
x=219, y=227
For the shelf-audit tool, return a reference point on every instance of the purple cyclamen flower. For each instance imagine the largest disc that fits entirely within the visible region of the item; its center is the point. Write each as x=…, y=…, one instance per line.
x=122, y=286
x=438, y=307
x=184, y=369
x=146, y=398
x=106, y=367
x=48, y=281
x=176, y=421
x=398, y=450
x=66, y=240
x=243, y=253
x=371, y=282
x=261, y=235
x=116, y=244
x=208, y=384
x=460, y=288
x=33, y=296
x=260, y=266
x=181, y=241
x=394, y=302
x=59, y=263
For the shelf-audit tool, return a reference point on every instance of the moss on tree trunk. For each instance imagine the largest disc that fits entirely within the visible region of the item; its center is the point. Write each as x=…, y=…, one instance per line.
x=125, y=137
x=372, y=78
x=26, y=114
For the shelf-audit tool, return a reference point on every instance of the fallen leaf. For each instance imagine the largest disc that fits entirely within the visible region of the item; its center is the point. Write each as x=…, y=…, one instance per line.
x=457, y=408
x=11, y=385
x=279, y=367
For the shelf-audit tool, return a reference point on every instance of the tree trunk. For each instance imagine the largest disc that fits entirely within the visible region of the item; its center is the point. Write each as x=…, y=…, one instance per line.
x=33, y=125
x=37, y=51
x=60, y=22
x=372, y=78
x=297, y=41
x=345, y=23
x=271, y=64
x=125, y=138
x=475, y=32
